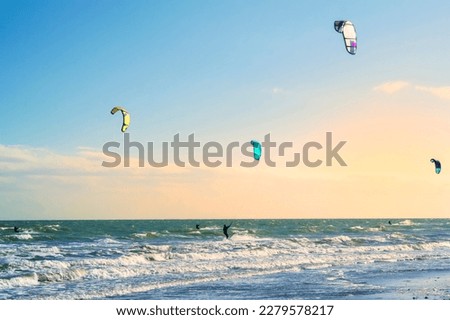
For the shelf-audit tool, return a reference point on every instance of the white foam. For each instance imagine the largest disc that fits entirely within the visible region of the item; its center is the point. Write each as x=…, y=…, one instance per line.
x=339, y=239
x=406, y=223
x=28, y=280
x=150, y=234
x=210, y=228
x=43, y=251
x=107, y=241
x=396, y=235
x=67, y=275
x=152, y=248
x=138, y=267
x=53, y=227
x=24, y=236
x=140, y=235
x=243, y=237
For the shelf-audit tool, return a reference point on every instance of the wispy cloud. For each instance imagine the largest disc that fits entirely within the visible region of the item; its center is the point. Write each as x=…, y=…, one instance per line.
x=19, y=160
x=440, y=92
x=392, y=86
x=41, y=183
x=278, y=90
x=22, y=159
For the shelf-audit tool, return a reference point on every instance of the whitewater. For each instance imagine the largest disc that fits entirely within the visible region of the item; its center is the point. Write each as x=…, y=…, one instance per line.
x=263, y=259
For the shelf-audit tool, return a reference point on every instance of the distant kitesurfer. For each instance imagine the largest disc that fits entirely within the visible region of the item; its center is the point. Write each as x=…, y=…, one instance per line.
x=197, y=226
x=16, y=229
x=225, y=229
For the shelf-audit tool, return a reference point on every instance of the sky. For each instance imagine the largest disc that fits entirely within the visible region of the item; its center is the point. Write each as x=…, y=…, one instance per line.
x=225, y=71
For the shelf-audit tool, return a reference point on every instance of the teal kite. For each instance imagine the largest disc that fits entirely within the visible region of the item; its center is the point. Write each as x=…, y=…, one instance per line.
x=437, y=165
x=256, y=149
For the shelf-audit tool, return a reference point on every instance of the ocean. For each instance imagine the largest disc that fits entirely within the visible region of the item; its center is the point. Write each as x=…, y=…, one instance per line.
x=263, y=259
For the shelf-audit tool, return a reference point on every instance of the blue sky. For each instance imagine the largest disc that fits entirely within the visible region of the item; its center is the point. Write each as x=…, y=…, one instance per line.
x=225, y=70
x=183, y=65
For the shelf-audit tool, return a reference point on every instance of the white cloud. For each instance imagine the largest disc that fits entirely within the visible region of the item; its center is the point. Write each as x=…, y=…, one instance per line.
x=20, y=160
x=392, y=86
x=278, y=90
x=440, y=92
x=28, y=159
x=40, y=183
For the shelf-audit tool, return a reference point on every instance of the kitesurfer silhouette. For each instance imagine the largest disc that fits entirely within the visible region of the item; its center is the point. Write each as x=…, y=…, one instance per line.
x=225, y=229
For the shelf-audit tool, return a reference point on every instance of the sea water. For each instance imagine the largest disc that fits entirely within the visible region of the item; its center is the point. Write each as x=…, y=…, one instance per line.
x=263, y=259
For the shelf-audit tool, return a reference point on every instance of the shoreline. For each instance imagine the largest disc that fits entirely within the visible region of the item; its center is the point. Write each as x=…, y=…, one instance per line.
x=412, y=285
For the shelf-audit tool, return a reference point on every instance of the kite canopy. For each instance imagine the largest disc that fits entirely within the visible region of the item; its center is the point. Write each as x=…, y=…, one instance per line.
x=349, y=33
x=256, y=149
x=437, y=165
x=125, y=115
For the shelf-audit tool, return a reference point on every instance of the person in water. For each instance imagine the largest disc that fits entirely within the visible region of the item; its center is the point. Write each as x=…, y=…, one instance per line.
x=225, y=229
x=390, y=222
x=197, y=226
x=16, y=229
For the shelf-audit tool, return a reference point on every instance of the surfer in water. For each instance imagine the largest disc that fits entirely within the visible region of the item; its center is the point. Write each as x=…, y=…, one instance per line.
x=197, y=226
x=390, y=222
x=225, y=229
x=16, y=229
